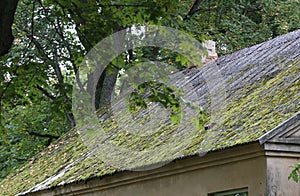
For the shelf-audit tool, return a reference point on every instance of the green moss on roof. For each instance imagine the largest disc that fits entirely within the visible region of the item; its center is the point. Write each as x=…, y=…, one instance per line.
x=253, y=108
x=272, y=101
x=68, y=156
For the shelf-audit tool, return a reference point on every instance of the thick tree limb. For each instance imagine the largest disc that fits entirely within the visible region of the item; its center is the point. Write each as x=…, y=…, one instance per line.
x=105, y=87
x=7, y=12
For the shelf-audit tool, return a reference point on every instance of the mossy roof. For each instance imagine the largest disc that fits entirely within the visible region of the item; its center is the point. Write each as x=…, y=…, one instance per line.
x=262, y=90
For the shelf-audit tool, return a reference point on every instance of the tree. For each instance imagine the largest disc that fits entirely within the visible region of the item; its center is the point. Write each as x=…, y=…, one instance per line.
x=52, y=37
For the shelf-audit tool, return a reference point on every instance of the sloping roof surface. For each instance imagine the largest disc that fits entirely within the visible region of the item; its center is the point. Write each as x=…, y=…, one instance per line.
x=263, y=90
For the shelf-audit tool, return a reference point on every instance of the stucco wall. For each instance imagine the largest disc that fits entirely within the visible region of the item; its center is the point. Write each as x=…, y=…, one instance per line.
x=279, y=168
x=246, y=173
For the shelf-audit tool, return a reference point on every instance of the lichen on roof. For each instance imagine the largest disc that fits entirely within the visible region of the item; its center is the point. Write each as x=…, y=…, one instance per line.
x=263, y=90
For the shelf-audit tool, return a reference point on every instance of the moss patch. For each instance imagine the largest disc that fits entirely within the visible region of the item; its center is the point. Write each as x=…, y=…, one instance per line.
x=256, y=109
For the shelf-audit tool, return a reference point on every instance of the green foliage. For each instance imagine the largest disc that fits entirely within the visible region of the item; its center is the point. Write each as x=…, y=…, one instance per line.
x=295, y=174
x=237, y=24
x=33, y=106
x=156, y=92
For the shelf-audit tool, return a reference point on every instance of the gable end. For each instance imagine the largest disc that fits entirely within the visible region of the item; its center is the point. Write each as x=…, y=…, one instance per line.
x=286, y=132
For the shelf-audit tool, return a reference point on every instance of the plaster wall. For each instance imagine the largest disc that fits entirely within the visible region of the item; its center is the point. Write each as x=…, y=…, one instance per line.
x=247, y=173
x=279, y=168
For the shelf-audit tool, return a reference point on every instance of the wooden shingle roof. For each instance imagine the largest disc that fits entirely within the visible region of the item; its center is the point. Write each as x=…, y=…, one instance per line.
x=262, y=91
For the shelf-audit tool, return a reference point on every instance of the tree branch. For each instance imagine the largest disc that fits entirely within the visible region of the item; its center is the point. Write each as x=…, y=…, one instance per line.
x=57, y=71
x=44, y=135
x=45, y=92
x=193, y=10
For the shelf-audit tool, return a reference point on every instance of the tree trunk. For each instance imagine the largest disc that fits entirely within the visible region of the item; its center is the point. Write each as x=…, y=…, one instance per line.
x=105, y=87
x=7, y=12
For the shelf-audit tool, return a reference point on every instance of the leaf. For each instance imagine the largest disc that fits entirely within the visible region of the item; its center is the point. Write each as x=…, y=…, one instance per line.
x=175, y=119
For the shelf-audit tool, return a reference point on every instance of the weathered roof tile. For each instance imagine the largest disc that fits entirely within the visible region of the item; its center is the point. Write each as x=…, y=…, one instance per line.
x=262, y=90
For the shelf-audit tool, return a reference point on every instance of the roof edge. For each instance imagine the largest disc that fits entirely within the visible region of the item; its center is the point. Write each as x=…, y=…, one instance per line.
x=280, y=128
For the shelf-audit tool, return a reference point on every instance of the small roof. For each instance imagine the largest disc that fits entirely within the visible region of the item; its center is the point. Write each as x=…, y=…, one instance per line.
x=262, y=91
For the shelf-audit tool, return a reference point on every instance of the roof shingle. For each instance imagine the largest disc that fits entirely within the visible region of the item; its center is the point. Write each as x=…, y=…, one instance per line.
x=262, y=90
